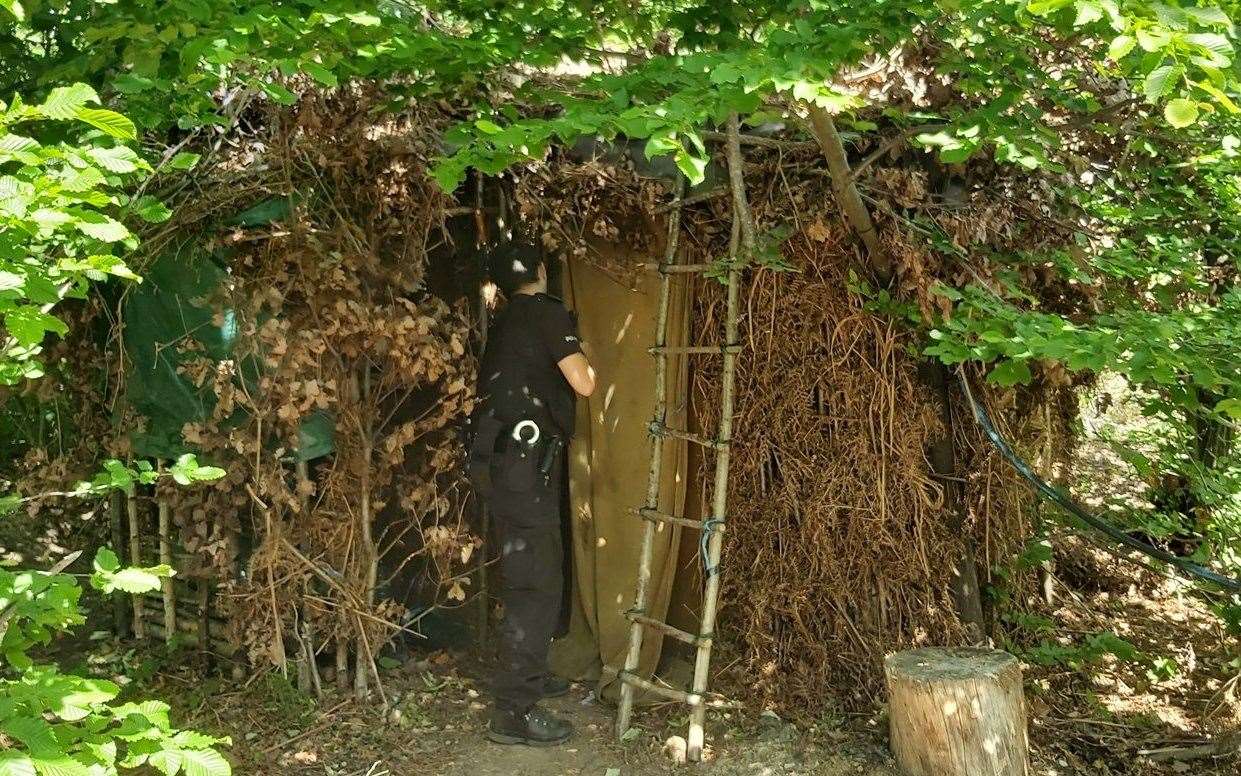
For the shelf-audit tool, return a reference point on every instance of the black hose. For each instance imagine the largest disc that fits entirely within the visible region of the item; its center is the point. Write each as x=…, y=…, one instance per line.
x=1054, y=495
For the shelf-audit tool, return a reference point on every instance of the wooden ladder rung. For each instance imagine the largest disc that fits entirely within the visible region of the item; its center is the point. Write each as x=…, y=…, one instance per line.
x=673, y=694
x=678, y=269
x=668, y=630
x=708, y=349
x=654, y=515
x=661, y=430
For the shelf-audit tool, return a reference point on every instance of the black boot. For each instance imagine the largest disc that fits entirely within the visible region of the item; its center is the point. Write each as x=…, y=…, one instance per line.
x=555, y=686
x=535, y=727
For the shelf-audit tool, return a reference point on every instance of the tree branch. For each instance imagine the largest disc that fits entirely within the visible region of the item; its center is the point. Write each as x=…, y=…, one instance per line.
x=692, y=199
x=737, y=181
x=824, y=130
x=892, y=143
x=759, y=140
x=60, y=566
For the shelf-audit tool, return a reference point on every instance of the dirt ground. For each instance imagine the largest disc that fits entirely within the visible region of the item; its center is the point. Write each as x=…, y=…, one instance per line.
x=1104, y=725
x=435, y=728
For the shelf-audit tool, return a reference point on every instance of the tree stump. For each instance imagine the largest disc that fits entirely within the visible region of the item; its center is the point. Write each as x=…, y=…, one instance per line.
x=957, y=711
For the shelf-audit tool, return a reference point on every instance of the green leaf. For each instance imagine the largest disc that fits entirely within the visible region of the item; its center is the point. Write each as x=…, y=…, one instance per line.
x=15, y=8
x=190, y=739
x=1230, y=407
x=205, y=762
x=49, y=219
x=1213, y=42
x=184, y=161
x=64, y=102
x=166, y=761
x=1181, y=112
x=81, y=181
x=1153, y=38
x=119, y=159
x=29, y=325
x=1087, y=11
x=694, y=168
x=35, y=733
x=10, y=280
x=1209, y=16
x=78, y=695
x=1219, y=95
x=99, y=226
x=278, y=93
x=1120, y=47
x=118, y=475
x=9, y=502
x=488, y=127
x=59, y=765
x=136, y=580
x=109, y=121
x=321, y=74
x=187, y=470
x=13, y=144
x=1010, y=372
x=956, y=155
x=1160, y=81
x=363, y=19
x=106, y=560
x=128, y=83
x=1047, y=7
x=151, y=209
x=16, y=764
x=153, y=712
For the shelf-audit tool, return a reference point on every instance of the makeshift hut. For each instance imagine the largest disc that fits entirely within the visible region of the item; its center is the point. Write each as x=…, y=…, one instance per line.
x=319, y=314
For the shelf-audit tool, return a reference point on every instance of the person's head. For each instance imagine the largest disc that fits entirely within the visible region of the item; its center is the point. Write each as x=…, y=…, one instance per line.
x=517, y=266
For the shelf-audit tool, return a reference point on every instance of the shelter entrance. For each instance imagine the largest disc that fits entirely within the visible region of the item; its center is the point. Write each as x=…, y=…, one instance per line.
x=608, y=465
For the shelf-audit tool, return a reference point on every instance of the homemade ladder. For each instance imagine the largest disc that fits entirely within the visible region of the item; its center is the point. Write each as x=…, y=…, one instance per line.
x=713, y=526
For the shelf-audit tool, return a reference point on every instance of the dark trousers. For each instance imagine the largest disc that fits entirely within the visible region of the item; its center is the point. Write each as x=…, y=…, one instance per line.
x=528, y=531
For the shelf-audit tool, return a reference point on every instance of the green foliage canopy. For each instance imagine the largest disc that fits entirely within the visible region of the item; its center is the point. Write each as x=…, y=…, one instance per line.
x=1128, y=108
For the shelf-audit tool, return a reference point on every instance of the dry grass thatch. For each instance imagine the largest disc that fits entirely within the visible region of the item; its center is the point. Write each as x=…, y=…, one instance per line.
x=842, y=543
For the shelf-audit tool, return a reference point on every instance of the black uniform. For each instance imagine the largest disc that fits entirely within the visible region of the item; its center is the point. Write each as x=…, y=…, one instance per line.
x=519, y=380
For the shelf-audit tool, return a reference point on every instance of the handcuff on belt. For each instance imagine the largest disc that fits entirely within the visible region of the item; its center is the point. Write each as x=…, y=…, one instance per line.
x=551, y=448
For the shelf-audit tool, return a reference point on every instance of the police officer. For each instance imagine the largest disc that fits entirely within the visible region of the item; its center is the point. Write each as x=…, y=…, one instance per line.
x=531, y=369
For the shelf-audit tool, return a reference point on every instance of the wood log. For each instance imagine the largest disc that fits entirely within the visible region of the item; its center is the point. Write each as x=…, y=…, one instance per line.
x=957, y=711
x=121, y=612
x=185, y=623
x=165, y=558
x=135, y=556
x=204, y=612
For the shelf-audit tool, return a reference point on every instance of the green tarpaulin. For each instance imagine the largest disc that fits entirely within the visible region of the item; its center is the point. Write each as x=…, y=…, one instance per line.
x=161, y=315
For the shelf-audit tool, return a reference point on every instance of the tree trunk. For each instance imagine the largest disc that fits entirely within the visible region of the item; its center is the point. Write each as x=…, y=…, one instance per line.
x=121, y=613
x=135, y=555
x=957, y=711
x=369, y=559
x=942, y=455
x=165, y=558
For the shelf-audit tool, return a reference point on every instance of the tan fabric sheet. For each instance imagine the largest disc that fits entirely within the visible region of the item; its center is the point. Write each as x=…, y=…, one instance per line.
x=608, y=469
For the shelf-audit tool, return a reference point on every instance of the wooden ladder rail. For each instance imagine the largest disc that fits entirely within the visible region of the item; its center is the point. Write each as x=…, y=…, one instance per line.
x=713, y=526
x=743, y=227
x=655, y=470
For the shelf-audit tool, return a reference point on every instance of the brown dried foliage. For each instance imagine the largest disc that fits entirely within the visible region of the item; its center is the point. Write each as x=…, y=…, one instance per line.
x=333, y=315
x=842, y=544
x=579, y=207
x=332, y=305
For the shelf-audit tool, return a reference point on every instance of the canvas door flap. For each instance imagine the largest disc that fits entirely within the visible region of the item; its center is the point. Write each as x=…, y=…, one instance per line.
x=609, y=463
